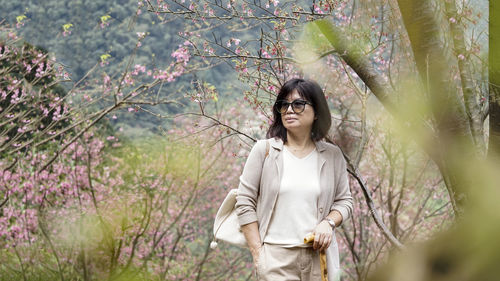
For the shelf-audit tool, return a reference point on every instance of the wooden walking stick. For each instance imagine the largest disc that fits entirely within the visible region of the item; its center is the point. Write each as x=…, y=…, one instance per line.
x=322, y=257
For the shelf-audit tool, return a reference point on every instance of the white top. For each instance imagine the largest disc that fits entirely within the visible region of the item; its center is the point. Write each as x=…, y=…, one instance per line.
x=295, y=212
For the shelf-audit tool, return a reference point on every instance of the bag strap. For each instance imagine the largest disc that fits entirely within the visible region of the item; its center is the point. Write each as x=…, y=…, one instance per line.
x=267, y=151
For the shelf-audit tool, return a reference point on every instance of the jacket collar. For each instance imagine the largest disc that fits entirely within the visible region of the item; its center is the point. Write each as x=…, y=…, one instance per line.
x=277, y=143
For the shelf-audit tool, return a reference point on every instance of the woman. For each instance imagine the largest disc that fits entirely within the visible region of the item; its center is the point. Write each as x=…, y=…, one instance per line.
x=293, y=184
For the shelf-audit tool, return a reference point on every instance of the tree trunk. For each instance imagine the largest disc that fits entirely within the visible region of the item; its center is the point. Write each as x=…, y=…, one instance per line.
x=433, y=66
x=470, y=97
x=494, y=79
x=444, y=132
x=451, y=125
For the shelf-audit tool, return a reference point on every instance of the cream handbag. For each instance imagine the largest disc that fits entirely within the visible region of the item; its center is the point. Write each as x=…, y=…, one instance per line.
x=226, y=225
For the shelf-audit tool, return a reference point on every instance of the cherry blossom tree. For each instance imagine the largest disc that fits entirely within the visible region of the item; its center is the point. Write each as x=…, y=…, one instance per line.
x=77, y=205
x=422, y=62
x=145, y=211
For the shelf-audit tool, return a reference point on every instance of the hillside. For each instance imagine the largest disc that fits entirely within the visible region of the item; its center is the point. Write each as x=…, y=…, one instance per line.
x=79, y=32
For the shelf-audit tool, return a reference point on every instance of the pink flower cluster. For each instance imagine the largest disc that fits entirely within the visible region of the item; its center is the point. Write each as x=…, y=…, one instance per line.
x=177, y=68
x=182, y=55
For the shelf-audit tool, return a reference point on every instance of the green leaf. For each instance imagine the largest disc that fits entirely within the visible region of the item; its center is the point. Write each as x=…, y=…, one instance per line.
x=20, y=18
x=105, y=57
x=67, y=26
x=105, y=18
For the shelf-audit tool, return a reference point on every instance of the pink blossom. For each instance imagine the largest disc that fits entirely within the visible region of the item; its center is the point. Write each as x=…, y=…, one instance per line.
x=106, y=79
x=138, y=69
x=12, y=36
x=265, y=54
x=181, y=55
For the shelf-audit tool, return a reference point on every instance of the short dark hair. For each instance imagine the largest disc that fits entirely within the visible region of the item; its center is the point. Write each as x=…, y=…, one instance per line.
x=310, y=91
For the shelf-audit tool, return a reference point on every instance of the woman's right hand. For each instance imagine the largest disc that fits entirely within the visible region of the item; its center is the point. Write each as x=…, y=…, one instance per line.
x=255, y=255
x=251, y=233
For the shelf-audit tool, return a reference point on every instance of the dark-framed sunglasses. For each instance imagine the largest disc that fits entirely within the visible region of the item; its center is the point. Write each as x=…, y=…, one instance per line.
x=298, y=105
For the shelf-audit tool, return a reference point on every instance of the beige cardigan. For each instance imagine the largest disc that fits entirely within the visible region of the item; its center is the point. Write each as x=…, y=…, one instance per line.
x=260, y=183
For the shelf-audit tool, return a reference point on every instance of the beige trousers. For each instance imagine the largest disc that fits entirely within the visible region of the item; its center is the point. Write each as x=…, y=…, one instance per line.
x=287, y=264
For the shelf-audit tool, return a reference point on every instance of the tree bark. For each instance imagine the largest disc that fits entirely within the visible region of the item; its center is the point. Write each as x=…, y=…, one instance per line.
x=494, y=81
x=470, y=96
x=433, y=65
x=451, y=124
x=354, y=57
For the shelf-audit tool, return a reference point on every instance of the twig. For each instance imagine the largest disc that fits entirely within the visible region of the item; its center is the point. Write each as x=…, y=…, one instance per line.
x=371, y=205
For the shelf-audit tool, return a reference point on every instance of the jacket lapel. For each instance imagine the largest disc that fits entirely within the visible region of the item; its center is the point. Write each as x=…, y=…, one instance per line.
x=323, y=181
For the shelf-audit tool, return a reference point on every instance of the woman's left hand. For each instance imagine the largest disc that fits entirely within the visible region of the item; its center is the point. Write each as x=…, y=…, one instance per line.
x=323, y=236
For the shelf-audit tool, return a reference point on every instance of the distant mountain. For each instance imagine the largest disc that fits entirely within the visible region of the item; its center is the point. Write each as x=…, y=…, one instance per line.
x=79, y=32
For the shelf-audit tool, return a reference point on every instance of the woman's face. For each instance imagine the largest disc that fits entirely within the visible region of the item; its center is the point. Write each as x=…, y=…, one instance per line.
x=298, y=122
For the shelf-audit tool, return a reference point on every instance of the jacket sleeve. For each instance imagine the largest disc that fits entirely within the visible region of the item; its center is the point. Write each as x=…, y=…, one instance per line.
x=343, y=200
x=248, y=189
